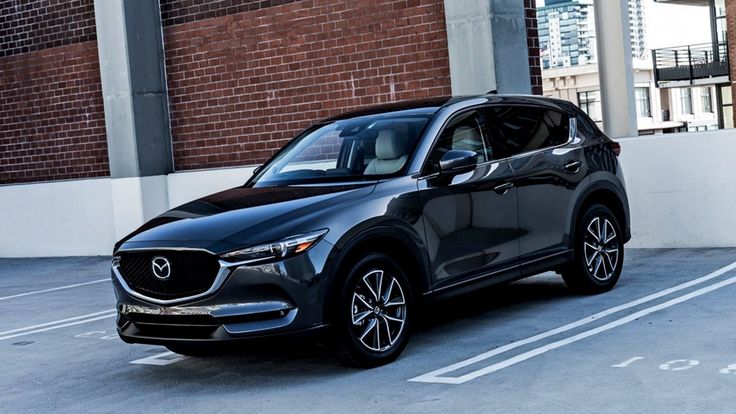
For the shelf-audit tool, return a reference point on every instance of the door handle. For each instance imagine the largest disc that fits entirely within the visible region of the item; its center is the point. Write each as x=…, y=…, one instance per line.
x=573, y=166
x=503, y=188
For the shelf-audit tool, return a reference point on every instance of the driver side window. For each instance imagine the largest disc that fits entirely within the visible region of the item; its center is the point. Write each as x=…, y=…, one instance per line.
x=465, y=131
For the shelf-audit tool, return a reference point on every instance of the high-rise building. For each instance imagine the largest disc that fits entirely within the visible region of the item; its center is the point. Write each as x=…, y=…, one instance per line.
x=567, y=32
x=637, y=24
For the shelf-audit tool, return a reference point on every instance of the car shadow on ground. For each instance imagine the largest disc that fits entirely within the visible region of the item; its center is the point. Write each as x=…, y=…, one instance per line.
x=490, y=301
x=285, y=361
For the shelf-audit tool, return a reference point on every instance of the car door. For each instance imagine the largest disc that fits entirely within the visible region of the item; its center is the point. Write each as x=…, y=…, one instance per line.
x=547, y=168
x=470, y=219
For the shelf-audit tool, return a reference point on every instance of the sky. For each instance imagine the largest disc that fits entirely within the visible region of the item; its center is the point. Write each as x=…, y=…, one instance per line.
x=674, y=25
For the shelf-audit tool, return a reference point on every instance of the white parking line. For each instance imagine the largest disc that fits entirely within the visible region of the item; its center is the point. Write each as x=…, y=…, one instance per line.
x=436, y=375
x=57, y=324
x=164, y=358
x=628, y=362
x=36, y=292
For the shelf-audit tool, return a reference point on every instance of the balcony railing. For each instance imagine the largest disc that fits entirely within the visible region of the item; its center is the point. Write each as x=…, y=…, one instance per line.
x=690, y=63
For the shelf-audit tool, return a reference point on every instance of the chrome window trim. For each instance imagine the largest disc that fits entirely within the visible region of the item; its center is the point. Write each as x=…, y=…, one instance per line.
x=572, y=135
x=573, y=130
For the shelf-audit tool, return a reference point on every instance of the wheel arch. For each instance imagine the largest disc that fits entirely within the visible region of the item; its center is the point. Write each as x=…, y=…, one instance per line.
x=607, y=194
x=392, y=239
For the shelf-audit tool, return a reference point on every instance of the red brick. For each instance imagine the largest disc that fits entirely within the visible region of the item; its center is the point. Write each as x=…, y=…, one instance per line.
x=52, y=127
x=244, y=76
x=33, y=25
x=294, y=64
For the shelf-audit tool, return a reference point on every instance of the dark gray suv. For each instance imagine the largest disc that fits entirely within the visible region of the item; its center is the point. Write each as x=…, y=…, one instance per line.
x=363, y=217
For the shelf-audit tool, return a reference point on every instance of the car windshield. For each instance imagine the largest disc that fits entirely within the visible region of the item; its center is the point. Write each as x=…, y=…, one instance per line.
x=366, y=147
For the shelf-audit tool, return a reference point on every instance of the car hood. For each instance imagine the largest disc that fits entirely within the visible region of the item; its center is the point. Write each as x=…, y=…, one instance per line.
x=242, y=216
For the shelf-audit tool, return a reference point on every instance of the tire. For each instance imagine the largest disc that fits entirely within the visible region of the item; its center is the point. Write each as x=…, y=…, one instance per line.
x=599, y=255
x=373, y=323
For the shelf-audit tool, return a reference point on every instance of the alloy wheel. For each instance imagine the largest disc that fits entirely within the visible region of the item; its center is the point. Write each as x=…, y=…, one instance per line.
x=378, y=311
x=601, y=248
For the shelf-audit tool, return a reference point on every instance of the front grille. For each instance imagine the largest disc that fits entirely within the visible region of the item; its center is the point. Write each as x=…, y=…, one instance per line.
x=192, y=273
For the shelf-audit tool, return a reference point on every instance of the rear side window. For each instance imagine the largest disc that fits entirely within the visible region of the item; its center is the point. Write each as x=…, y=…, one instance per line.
x=518, y=129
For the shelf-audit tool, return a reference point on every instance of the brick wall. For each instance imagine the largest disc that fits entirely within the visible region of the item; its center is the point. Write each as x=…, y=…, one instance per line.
x=245, y=82
x=51, y=112
x=731, y=35
x=532, y=35
x=30, y=25
x=244, y=76
x=186, y=11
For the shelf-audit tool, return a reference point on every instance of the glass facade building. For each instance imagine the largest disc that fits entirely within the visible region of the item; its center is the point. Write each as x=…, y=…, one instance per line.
x=567, y=32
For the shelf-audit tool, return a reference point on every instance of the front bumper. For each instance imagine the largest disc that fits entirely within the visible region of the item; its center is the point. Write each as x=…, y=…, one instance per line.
x=250, y=301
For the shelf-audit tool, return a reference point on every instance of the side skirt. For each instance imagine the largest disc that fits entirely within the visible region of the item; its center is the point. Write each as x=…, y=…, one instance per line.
x=517, y=272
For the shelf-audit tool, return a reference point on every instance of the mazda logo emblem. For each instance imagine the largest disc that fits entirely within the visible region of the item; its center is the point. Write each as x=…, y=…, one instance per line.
x=161, y=267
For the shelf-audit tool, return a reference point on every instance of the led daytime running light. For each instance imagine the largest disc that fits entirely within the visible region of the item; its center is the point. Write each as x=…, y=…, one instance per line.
x=277, y=250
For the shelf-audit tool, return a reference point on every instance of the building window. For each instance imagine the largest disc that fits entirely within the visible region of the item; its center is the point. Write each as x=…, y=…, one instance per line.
x=727, y=107
x=686, y=101
x=590, y=103
x=706, y=99
x=643, y=106
x=720, y=16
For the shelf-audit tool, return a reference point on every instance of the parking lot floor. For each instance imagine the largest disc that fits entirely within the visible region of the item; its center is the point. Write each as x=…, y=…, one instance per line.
x=664, y=340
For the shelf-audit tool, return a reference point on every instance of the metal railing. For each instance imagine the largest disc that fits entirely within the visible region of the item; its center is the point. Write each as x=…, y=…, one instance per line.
x=690, y=63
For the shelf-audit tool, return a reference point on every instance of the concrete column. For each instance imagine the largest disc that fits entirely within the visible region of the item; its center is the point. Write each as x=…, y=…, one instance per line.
x=133, y=74
x=488, y=49
x=616, y=68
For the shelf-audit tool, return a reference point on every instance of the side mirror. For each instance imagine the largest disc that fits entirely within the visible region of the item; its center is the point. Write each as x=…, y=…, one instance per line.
x=457, y=162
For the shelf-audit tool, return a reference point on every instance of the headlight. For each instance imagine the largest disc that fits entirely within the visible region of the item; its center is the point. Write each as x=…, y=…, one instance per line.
x=281, y=249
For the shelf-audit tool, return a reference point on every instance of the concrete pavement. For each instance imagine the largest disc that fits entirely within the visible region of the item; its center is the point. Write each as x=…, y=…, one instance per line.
x=662, y=341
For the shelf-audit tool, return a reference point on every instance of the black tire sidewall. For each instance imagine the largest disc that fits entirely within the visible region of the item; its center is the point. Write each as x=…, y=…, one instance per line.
x=360, y=355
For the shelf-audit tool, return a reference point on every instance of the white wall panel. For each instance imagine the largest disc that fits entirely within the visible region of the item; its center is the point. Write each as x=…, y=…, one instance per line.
x=67, y=218
x=682, y=193
x=682, y=189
